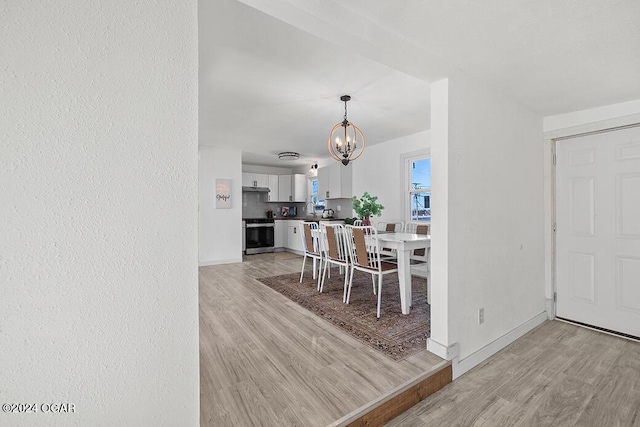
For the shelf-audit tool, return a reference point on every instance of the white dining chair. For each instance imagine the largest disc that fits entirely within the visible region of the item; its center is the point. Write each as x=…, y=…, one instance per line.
x=336, y=252
x=357, y=222
x=311, y=247
x=421, y=258
x=419, y=227
x=365, y=256
x=389, y=227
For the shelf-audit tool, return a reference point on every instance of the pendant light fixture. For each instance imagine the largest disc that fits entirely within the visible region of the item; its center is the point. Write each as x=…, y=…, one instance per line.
x=313, y=170
x=346, y=141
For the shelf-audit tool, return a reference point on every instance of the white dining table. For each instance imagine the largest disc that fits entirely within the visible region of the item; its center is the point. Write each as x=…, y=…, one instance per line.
x=404, y=244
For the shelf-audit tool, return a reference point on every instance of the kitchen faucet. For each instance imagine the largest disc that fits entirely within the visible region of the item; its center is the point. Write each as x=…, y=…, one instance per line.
x=313, y=208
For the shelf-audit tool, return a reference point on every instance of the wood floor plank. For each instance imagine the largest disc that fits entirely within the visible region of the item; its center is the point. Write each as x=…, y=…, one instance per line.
x=557, y=375
x=611, y=404
x=263, y=357
x=562, y=403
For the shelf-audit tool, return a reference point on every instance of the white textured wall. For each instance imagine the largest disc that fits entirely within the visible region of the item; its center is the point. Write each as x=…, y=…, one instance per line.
x=380, y=171
x=488, y=162
x=220, y=229
x=98, y=190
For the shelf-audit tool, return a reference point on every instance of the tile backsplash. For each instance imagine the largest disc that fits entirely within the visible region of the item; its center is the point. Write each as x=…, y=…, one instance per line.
x=255, y=205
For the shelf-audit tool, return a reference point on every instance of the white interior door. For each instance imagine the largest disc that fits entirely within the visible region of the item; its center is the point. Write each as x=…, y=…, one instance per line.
x=598, y=230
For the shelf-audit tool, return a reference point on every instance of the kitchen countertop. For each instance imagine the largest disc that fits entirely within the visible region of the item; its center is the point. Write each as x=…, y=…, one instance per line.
x=306, y=218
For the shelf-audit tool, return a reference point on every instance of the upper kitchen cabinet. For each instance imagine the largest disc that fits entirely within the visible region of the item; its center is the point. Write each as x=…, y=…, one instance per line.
x=247, y=179
x=323, y=182
x=274, y=191
x=293, y=188
x=250, y=179
x=299, y=188
x=334, y=181
x=284, y=188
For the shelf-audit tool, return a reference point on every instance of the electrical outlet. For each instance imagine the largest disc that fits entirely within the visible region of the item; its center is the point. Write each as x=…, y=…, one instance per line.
x=481, y=316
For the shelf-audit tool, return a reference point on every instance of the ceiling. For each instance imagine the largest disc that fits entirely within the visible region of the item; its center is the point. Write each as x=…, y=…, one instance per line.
x=270, y=79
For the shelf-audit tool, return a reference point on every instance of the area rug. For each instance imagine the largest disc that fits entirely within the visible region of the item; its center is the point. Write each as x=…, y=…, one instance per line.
x=395, y=335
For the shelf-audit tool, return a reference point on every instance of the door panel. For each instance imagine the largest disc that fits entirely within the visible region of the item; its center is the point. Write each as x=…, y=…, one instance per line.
x=582, y=276
x=628, y=191
x=582, y=205
x=627, y=286
x=598, y=230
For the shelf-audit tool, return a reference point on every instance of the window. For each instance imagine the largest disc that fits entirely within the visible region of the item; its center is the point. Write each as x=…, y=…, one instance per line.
x=318, y=204
x=419, y=188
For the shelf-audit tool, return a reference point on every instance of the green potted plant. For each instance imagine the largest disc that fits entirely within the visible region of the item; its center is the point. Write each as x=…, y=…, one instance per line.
x=366, y=206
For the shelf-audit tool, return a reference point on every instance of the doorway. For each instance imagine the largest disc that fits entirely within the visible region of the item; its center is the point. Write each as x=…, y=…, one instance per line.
x=598, y=229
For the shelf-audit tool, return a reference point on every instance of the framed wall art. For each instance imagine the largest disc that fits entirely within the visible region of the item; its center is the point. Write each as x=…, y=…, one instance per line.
x=223, y=194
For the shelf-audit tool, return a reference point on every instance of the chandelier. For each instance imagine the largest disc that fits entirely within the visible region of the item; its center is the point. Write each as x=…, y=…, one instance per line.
x=346, y=141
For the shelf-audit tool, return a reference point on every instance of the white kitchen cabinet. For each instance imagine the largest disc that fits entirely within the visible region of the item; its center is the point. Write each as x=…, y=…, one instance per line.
x=274, y=188
x=250, y=179
x=334, y=182
x=262, y=180
x=284, y=188
x=293, y=188
x=279, y=234
x=247, y=179
x=294, y=241
x=323, y=182
x=299, y=191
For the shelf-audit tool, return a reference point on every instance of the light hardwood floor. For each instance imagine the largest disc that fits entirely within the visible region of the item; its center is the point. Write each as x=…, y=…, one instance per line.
x=557, y=375
x=265, y=361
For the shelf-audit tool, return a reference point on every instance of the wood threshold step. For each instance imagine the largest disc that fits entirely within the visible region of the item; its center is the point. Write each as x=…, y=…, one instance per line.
x=386, y=407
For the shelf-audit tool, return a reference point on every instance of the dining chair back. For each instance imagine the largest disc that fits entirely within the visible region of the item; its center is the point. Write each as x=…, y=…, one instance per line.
x=311, y=247
x=418, y=228
x=335, y=252
x=357, y=222
x=421, y=258
x=390, y=226
x=365, y=256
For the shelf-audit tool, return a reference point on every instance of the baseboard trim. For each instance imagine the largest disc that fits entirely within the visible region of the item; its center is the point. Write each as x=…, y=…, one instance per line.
x=219, y=261
x=386, y=407
x=474, y=359
x=445, y=352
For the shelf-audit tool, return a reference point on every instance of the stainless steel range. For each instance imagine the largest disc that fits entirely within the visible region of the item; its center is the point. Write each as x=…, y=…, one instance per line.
x=259, y=235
